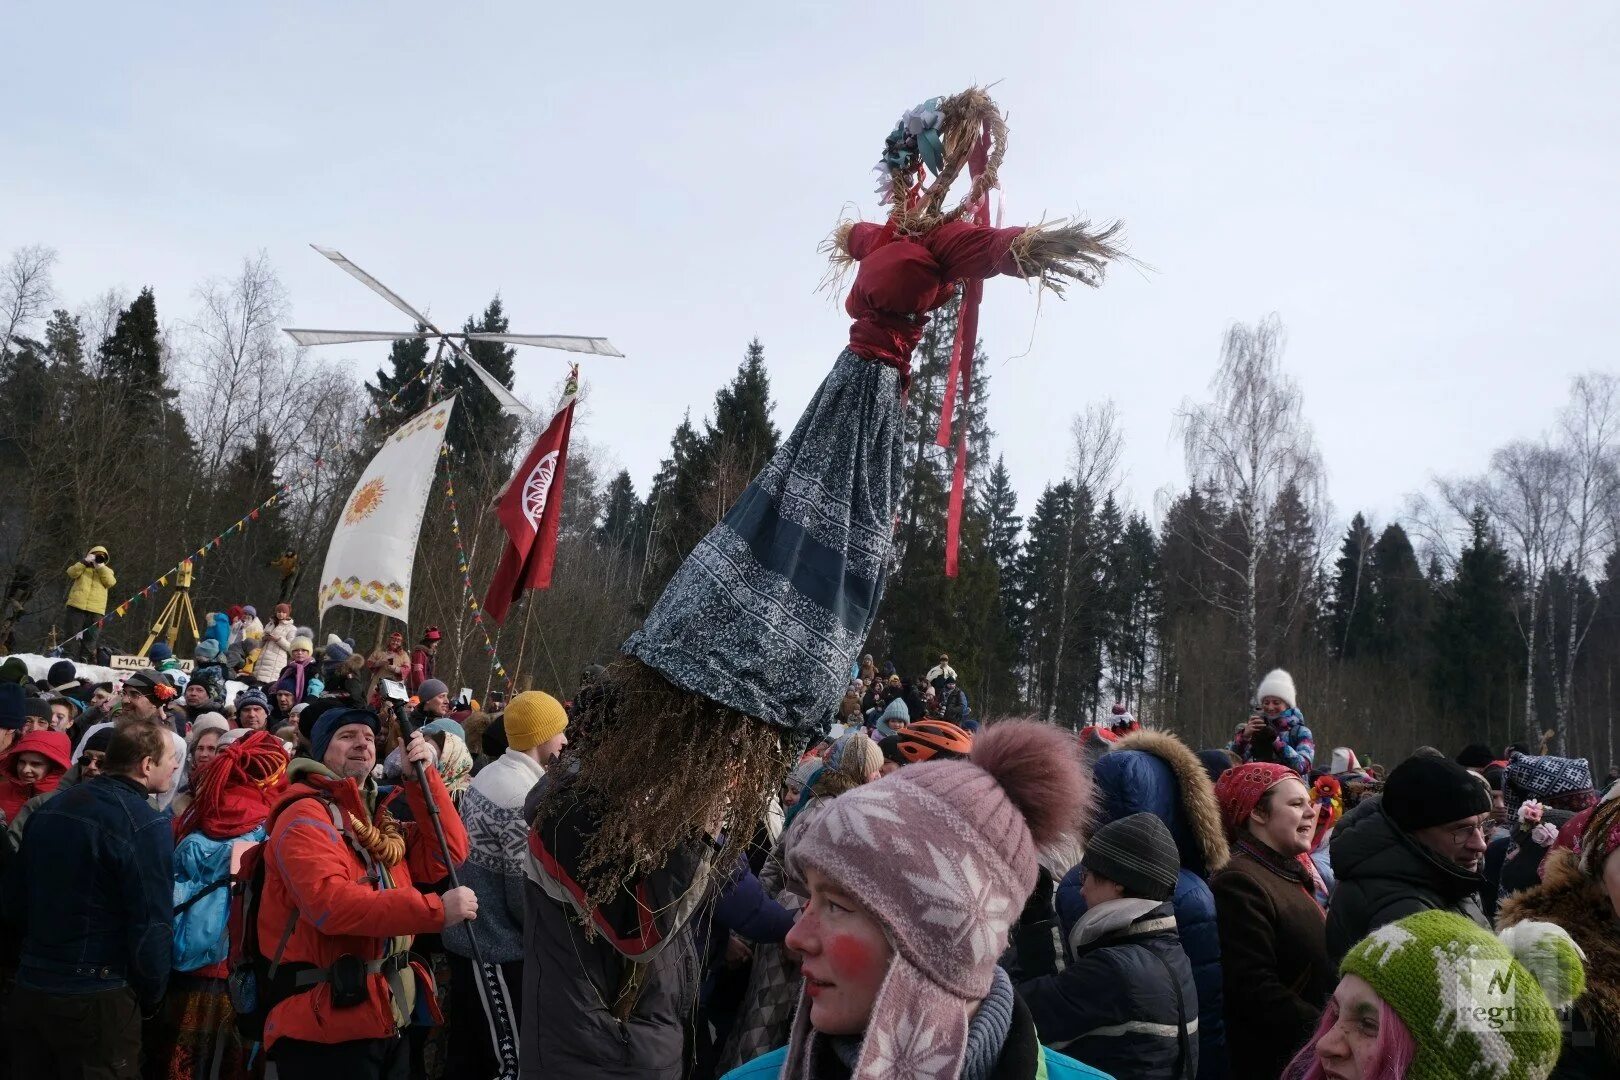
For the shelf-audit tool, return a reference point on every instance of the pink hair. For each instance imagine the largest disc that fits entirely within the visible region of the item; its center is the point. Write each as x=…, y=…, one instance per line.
x=1392, y=1055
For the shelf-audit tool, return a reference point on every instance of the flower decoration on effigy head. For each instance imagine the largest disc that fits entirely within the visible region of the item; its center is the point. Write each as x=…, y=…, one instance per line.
x=1544, y=834
x=915, y=141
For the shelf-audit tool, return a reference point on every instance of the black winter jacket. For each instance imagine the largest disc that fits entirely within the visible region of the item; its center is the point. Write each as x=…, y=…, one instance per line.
x=1126, y=1003
x=92, y=892
x=1385, y=875
x=616, y=1004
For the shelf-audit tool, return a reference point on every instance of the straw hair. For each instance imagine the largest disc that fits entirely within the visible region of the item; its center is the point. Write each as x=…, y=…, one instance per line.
x=636, y=732
x=966, y=116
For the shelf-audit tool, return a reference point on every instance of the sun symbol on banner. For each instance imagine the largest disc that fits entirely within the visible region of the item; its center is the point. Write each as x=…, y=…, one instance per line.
x=537, y=487
x=365, y=502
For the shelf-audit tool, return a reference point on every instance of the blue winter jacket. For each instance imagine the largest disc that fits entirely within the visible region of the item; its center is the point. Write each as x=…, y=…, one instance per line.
x=1151, y=772
x=744, y=909
x=220, y=630
x=91, y=892
x=202, y=898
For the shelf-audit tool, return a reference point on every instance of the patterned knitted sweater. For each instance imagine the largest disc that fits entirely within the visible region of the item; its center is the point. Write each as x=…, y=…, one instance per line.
x=492, y=811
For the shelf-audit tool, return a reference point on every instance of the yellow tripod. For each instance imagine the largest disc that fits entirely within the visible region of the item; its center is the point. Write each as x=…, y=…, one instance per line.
x=168, y=620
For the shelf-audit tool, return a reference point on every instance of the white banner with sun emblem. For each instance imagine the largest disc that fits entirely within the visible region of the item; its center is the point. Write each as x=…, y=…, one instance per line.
x=373, y=547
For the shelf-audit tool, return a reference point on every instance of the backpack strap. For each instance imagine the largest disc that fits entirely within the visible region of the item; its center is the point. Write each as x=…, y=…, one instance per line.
x=185, y=905
x=1181, y=1015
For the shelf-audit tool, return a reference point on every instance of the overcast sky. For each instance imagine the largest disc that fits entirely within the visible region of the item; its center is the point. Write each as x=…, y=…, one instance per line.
x=1425, y=193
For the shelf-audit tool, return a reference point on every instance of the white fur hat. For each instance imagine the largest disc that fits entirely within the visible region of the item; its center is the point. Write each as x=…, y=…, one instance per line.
x=1277, y=684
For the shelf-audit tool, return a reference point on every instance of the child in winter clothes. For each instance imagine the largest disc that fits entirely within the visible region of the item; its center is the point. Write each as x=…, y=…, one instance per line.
x=299, y=670
x=275, y=645
x=1277, y=732
x=1144, y=1025
x=34, y=765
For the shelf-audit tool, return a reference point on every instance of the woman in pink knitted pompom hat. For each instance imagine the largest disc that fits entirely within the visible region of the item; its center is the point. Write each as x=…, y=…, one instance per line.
x=914, y=882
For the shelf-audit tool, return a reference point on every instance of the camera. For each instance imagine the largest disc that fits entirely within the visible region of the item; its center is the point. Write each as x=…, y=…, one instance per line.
x=394, y=690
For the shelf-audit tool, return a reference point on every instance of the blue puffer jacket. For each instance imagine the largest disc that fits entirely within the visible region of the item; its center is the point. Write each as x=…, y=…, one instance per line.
x=1154, y=772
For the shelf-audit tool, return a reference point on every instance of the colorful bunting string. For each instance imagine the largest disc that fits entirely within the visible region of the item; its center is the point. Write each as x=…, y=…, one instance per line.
x=465, y=567
x=375, y=412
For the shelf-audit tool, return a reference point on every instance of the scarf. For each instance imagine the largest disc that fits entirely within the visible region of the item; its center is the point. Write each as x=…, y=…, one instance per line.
x=455, y=765
x=987, y=1031
x=1108, y=918
x=1300, y=869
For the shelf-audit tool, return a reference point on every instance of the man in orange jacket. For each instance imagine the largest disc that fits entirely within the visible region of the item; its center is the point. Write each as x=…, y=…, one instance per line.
x=339, y=906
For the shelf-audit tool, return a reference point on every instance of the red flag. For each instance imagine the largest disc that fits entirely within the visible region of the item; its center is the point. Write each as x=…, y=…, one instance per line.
x=530, y=508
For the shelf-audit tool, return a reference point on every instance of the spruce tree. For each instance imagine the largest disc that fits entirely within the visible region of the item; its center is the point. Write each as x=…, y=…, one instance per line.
x=742, y=413
x=132, y=357
x=64, y=341
x=1475, y=642
x=1140, y=605
x=1352, y=602
x=400, y=389
x=479, y=427
x=620, y=515
x=1043, y=571
x=998, y=504
x=677, y=507
x=1403, y=605
x=741, y=438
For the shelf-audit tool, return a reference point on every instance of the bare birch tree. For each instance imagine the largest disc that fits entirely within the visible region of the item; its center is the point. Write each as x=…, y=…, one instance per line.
x=1248, y=446
x=1589, y=438
x=26, y=291
x=1096, y=446
x=240, y=368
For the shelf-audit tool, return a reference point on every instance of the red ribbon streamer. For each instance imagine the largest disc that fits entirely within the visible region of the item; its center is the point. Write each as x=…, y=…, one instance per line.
x=960, y=373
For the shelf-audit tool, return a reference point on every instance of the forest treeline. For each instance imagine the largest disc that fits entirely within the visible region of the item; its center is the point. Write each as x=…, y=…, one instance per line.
x=1489, y=611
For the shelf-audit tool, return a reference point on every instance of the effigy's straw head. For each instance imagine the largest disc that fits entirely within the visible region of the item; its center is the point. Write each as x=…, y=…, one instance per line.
x=661, y=767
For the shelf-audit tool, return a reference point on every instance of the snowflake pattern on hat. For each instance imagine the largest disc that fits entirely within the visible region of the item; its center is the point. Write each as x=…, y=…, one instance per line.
x=960, y=897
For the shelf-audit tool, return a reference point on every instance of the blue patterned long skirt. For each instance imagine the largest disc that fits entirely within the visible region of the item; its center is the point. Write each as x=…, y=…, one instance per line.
x=768, y=613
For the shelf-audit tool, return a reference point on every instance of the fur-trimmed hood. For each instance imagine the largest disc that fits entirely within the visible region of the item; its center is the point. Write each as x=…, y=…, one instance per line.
x=1155, y=772
x=1575, y=902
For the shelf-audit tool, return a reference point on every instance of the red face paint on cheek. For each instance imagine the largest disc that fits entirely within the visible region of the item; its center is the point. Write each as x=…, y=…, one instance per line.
x=853, y=960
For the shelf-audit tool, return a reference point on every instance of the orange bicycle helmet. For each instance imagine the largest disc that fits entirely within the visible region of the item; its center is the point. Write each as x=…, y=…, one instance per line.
x=933, y=740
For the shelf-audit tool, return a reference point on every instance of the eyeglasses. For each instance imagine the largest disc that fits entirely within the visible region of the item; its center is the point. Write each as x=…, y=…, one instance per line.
x=1461, y=834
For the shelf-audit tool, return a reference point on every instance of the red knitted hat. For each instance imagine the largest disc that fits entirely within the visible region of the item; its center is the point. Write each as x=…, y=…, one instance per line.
x=1241, y=787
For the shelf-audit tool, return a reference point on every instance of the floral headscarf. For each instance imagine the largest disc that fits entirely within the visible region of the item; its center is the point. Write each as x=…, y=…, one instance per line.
x=455, y=764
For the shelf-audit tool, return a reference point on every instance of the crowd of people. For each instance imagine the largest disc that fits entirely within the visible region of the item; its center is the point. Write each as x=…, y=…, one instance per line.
x=268, y=865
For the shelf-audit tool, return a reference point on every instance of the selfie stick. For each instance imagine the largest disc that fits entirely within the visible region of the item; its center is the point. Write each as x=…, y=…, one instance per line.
x=506, y=1055
x=406, y=729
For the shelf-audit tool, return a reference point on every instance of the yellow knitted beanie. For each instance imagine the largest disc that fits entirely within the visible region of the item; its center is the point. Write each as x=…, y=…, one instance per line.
x=533, y=717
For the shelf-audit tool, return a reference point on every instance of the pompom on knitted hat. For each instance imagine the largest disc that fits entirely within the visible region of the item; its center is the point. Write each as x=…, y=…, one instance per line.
x=943, y=855
x=1452, y=984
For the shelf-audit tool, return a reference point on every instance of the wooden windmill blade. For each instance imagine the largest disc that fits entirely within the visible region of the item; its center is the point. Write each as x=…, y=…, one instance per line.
x=457, y=342
x=339, y=337
x=567, y=342
x=377, y=287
